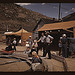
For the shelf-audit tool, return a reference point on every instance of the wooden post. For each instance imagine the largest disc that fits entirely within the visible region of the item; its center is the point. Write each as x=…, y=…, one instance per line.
x=59, y=10
x=74, y=31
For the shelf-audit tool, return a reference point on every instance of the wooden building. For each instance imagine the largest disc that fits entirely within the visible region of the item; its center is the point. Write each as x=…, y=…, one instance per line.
x=69, y=17
x=57, y=29
x=41, y=23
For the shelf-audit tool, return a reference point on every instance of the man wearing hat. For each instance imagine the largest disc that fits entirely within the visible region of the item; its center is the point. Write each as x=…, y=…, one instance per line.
x=48, y=44
x=64, y=45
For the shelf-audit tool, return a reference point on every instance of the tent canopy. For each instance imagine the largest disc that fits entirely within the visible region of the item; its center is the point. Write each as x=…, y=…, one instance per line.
x=16, y=33
x=9, y=33
x=20, y=32
x=56, y=26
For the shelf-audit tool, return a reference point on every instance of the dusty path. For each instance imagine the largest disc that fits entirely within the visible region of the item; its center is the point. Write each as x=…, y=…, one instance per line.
x=71, y=63
x=53, y=65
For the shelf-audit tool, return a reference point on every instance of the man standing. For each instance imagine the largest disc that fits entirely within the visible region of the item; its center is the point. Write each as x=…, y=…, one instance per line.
x=48, y=44
x=14, y=44
x=42, y=43
x=64, y=45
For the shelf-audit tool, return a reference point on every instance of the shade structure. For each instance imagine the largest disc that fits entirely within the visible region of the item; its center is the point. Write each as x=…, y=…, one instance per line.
x=19, y=33
x=22, y=33
x=56, y=26
x=9, y=33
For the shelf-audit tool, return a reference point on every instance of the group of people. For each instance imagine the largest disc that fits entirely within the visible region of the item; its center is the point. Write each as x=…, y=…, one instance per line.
x=65, y=46
x=10, y=44
x=31, y=50
x=45, y=44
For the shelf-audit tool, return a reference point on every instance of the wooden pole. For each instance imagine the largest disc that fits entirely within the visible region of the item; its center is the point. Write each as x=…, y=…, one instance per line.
x=74, y=31
x=59, y=11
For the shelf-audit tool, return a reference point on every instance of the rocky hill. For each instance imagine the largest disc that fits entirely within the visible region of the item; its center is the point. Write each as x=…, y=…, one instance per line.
x=14, y=16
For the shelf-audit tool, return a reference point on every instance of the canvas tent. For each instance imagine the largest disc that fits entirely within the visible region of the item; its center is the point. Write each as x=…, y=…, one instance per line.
x=19, y=33
x=9, y=33
x=22, y=33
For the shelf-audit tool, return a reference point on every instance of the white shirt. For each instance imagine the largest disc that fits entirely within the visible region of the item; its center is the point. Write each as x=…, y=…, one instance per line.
x=27, y=44
x=19, y=41
x=48, y=38
x=14, y=42
x=42, y=38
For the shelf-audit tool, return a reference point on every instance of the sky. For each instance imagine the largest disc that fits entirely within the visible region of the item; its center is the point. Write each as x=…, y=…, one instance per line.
x=50, y=9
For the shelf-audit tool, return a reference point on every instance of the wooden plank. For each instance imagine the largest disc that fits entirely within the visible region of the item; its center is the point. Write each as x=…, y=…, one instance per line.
x=69, y=30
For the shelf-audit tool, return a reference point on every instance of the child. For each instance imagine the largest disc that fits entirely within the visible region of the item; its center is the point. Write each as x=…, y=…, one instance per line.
x=27, y=44
x=35, y=58
x=60, y=47
x=33, y=49
x=27, y=51
x=34, y=45
x=36, y=61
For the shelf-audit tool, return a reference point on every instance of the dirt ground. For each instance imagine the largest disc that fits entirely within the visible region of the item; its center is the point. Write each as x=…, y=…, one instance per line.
x=18, y=48
x=22, y=66
x=22, y=48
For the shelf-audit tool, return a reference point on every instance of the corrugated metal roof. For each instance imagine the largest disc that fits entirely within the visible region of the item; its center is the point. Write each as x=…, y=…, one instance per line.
x=60, y=25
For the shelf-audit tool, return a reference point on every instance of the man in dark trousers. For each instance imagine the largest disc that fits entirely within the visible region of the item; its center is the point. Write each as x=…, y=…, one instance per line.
x=64, y=45
x=42, y=43
x=14, y=44
x=48, y=44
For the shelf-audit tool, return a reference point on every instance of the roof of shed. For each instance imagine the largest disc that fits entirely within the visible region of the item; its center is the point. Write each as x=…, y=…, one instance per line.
x=56, y=26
